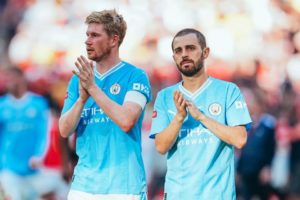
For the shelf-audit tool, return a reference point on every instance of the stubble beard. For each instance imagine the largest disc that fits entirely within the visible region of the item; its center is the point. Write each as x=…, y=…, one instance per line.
x=192, y=71
x=103, y=56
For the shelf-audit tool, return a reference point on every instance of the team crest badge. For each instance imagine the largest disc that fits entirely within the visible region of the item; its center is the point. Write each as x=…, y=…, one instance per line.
x=115, y=89
x=215, y=109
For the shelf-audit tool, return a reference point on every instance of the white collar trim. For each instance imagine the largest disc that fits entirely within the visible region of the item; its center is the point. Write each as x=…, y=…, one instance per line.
x=195, y=94
x=110, y=71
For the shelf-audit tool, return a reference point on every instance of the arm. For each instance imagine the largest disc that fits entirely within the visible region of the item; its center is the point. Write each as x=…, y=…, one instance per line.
x=166, y=139
x=234, y=135
x=69, y=120
x=125, y=116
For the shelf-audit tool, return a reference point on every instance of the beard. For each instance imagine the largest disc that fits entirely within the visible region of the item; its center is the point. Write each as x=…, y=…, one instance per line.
x=189, y=72
x=99, y=57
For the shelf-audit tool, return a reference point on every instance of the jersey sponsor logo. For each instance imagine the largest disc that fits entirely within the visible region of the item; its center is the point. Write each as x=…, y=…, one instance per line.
x=141, y=87
x=115, y=89
x=215, y=109
x=93, y=115
x=154, y=114
x=195, y=136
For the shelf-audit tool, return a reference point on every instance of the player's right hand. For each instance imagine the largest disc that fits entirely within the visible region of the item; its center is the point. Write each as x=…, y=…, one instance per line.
x=83, y=94
x=180, y=104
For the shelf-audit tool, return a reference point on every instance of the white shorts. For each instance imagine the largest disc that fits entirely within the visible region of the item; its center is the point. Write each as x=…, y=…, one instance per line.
x=31, y=187
x=78, y=195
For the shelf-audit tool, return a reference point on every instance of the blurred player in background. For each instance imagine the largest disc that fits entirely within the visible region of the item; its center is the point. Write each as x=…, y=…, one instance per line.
x=105, y=106
x=254, y=164
x=198, y=122
x=23, y=131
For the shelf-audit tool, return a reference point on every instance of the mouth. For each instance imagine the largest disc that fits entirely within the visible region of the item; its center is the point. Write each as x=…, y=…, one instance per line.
x=186, y=62
x=89, y=50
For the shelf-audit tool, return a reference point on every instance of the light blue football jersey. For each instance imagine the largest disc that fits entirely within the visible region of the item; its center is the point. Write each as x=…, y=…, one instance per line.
x=23, y=131
x=200, y=165
x=110, y=160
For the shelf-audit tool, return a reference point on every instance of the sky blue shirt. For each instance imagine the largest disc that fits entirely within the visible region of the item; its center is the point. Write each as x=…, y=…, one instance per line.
x=23, y=131
x=110, y=160
x=200, y=165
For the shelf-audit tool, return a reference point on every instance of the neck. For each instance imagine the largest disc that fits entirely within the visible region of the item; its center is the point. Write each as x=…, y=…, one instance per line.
x=107, y=63
x=195, y=82
x=18, y=93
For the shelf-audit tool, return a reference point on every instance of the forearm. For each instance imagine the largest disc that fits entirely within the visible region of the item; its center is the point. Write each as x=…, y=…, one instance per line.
x=166, y=139
x=236, y=136
x=122, y=116
x=69, y=120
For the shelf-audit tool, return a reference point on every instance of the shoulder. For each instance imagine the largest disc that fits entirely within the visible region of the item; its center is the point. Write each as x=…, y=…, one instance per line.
x=37, y=98
x=223, y=83
x=133, y=69
x=225, y=87
x=168, y=90
x=3, y=99
x=74, y=79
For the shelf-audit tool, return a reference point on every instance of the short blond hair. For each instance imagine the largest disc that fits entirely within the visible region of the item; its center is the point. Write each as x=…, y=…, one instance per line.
x=113, y=23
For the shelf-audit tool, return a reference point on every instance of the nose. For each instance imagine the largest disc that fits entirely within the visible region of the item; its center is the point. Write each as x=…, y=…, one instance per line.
x=87, y=41
x=184, y=54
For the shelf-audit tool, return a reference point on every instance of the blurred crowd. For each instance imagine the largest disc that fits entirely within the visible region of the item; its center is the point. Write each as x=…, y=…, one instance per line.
x=254, y=43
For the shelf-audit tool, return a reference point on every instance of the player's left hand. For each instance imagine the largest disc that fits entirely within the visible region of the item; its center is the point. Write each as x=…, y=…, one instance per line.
x=194, y=111
x=85, y=72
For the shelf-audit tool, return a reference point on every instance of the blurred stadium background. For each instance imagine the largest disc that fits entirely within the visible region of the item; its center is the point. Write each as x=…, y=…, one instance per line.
x=254, y=43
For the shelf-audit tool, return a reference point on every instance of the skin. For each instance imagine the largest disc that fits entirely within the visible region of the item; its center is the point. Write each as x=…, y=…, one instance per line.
x=189, y=57
x=104, y=51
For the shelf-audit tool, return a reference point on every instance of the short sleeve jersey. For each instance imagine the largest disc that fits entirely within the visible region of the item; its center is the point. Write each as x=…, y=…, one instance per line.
x=200, y=165
x=110, y=160
x=23, y=131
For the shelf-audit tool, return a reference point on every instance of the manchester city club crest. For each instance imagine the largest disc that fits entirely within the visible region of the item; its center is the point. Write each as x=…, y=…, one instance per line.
x=115, y=89
x=215, y=109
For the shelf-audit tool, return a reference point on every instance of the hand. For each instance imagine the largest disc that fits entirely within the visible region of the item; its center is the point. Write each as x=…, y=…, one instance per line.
x=83, y=94
x=265, y=175
x=180, y=104
x=194, y=111
x=85, y=73
x=35, y=162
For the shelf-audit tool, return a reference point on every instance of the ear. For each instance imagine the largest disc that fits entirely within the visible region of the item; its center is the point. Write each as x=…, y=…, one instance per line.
x=115, y=40
x=206, y=51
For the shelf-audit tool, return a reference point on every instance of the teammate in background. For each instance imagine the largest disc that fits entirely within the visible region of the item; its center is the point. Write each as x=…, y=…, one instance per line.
x=198, y=122
x=23, y=132
x=254, y=163
x=105, y=106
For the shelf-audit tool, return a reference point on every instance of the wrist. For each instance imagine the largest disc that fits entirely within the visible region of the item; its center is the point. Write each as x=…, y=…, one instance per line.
x=81, y=100
x=92, y=88
x=179, y=118
x=201, y=117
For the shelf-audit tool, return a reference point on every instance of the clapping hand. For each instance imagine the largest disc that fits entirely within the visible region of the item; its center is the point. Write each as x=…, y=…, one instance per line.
x=194, y=111
x=180, y=104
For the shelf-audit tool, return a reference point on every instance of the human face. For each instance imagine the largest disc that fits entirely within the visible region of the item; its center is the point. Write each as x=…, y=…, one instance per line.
x=14, y=81
x=188, y=54
x=98, y=42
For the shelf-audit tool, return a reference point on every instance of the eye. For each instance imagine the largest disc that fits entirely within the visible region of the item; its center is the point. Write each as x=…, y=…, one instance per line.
x=191, y=47
x=94, y=35
x=178, y=50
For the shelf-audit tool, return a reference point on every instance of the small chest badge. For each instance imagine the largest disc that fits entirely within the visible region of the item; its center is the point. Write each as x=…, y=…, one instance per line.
x=215, y=109
x=115, y=89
